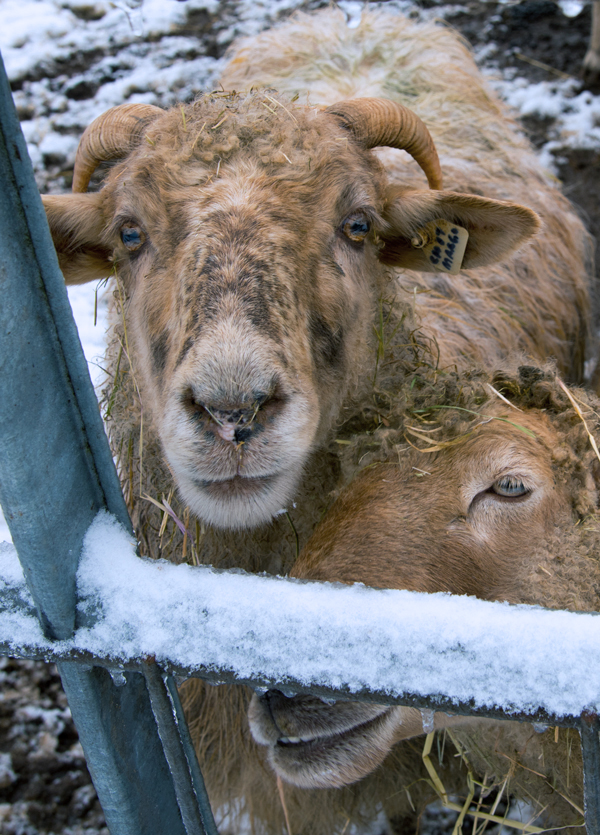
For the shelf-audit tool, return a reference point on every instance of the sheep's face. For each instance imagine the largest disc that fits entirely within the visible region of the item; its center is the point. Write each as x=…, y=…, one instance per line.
x=248, y=312
x=248, y=239
x=465, y=518
x=491, y=517
x=249, y=259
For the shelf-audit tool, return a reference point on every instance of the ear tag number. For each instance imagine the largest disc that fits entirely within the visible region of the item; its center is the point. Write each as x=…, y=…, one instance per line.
x=443, y=246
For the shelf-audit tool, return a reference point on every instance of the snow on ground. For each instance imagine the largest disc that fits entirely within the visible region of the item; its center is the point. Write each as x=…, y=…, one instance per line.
x=576, y=115
x=513, y=657
x=141, y=62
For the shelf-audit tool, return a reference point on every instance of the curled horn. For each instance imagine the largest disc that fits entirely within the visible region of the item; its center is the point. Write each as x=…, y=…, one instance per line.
x=376, y=122
x=112, y=135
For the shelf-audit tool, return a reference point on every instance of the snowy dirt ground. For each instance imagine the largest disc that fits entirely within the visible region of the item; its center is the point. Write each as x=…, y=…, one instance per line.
x=68, y=61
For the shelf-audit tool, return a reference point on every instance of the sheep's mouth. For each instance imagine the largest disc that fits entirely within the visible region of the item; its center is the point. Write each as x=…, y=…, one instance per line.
x=238, y=501
x=237, y=486
x=330, y=761
x=328, y=740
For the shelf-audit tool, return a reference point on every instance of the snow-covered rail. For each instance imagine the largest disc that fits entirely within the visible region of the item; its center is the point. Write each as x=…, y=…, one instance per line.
x=113, y=610
x=390, y=646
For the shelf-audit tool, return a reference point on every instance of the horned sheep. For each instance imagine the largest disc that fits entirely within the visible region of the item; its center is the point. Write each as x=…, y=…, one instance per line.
x=272, y=287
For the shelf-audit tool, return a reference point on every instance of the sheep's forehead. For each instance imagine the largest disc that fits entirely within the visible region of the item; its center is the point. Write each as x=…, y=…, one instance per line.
x=508, y=442
x=244, y=189
x=237, y=139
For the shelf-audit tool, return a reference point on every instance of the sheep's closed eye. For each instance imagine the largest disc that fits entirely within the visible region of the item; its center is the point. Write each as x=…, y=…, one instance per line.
x=509, y=487
x=356, y=227
x=132, y=236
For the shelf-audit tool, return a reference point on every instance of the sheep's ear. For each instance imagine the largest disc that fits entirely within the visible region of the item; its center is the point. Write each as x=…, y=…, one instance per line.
x=495, y=228
x=77, y=224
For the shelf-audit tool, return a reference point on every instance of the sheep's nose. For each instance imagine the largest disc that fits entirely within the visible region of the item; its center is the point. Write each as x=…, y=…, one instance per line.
x=237, y=422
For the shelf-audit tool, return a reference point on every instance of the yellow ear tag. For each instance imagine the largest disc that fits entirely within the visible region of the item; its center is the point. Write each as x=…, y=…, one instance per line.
x=443, y=244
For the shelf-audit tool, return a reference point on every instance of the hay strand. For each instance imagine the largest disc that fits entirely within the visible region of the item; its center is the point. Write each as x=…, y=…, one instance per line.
x=575, y=405
x=284, y=806
x=503, y=398
x=463, y=810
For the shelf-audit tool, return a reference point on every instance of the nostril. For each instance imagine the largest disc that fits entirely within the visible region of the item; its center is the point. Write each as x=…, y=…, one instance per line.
x=233, y=417
x=192, y=405
x=273, y=401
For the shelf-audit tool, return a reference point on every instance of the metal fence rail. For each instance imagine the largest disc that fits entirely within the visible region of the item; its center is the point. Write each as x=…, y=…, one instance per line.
x=56, y=472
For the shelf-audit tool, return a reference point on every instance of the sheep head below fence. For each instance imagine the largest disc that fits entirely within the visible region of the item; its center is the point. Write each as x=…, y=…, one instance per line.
x=249, y=237
x=471, y=497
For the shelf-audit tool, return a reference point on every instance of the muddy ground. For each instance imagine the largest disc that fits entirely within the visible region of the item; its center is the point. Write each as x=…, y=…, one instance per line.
x=44, y=784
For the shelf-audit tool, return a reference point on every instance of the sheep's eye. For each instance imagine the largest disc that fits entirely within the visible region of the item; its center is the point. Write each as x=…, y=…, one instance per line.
x=132, y=237
x=510, y=487
x=356, y=227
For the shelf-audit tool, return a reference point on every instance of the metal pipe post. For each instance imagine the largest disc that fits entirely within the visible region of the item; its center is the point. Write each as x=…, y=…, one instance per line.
x=589, y=729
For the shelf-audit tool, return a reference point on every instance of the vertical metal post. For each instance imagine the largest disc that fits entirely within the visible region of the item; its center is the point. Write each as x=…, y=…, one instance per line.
x=177, y=745
x=56, y=472
x=589, y=729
